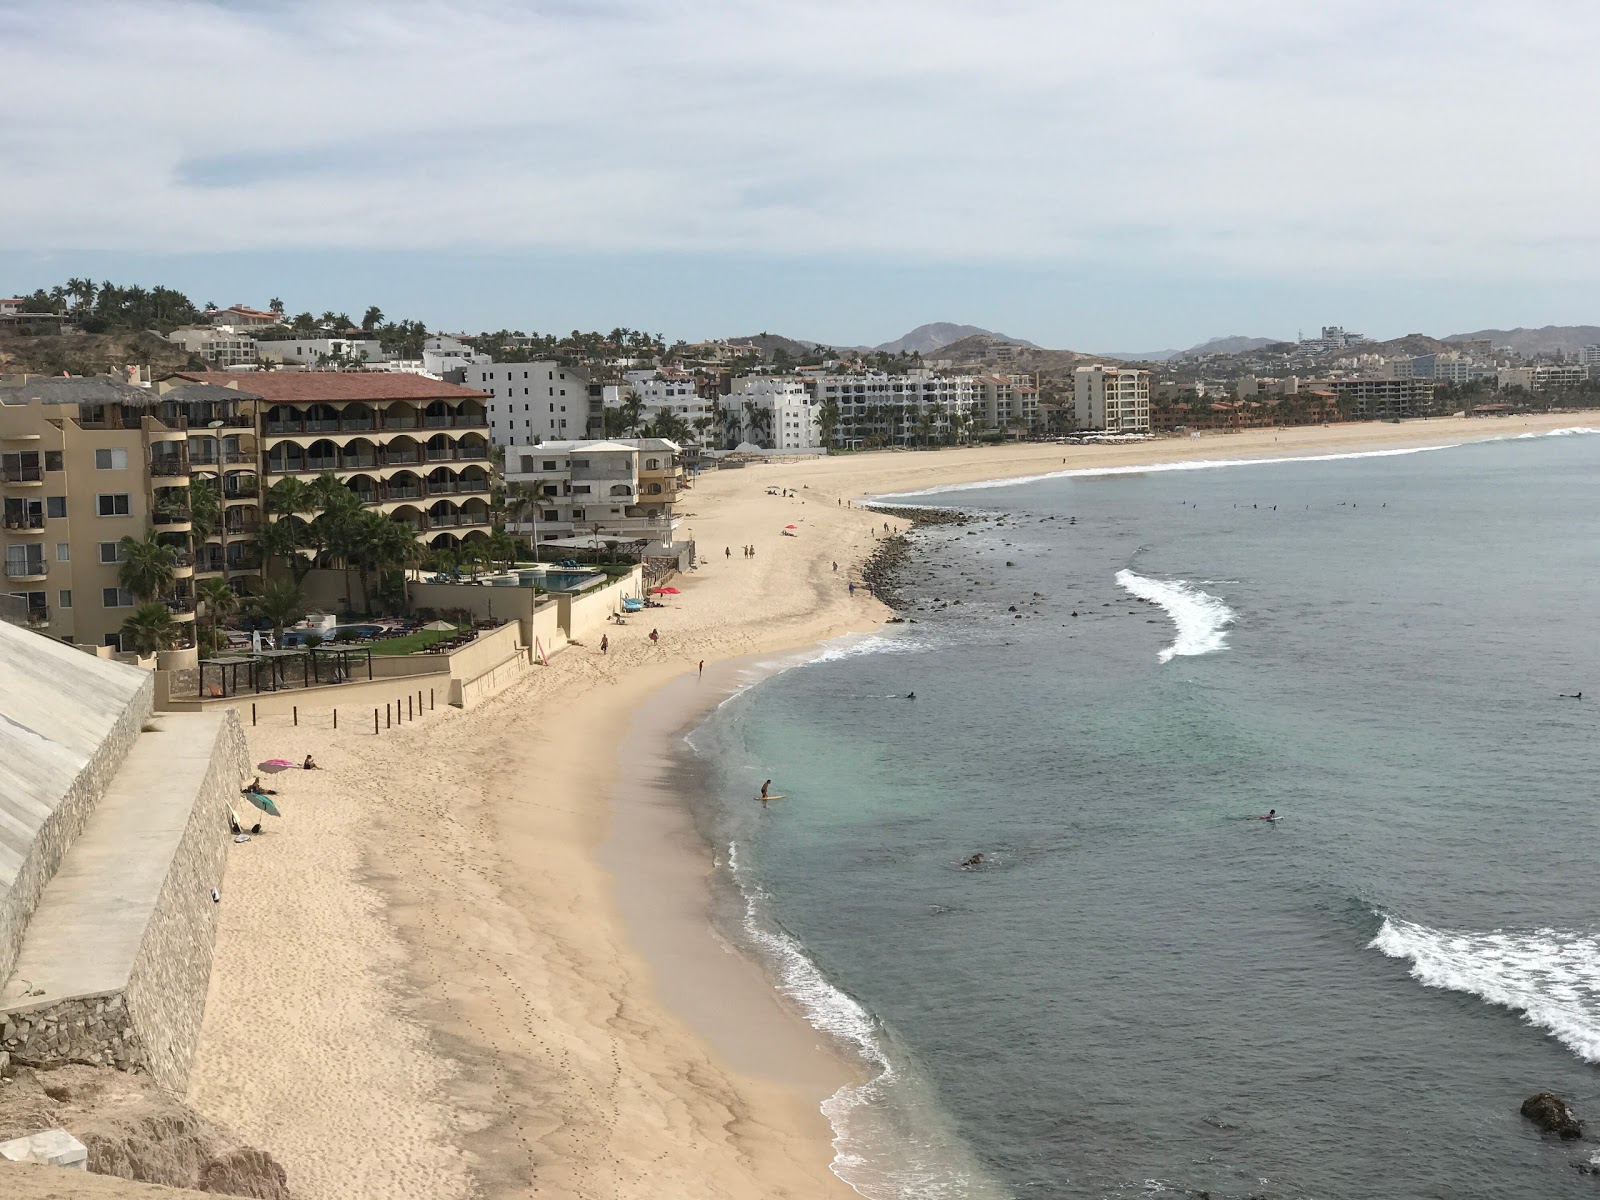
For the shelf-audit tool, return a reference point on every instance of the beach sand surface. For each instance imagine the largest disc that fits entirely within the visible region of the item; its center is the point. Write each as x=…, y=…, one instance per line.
x=446, y=973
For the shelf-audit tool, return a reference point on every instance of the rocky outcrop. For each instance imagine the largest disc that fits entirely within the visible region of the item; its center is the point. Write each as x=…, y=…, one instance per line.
x=1551, y=1114
x=135, y=1131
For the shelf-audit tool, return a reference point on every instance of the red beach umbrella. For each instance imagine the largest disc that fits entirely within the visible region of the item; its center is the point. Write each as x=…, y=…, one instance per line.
x=665, y=591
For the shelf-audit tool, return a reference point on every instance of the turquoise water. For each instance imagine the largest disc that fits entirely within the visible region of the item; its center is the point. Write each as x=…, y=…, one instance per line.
x=1141, y=990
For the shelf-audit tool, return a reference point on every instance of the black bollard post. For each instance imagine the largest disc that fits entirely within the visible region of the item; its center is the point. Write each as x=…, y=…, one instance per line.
x=410, y=715
x=297, y=716
x=252, y=714
x=374, y=722
x=388, y=718
x=336, y=718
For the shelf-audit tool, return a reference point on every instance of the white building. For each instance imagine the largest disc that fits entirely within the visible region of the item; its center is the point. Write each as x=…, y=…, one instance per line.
x=533, y=401
x=222, y=348
x=442, y=353
x=620, y=489
x=1589, y=356
x=920, y=407
x=322, y=351
x=778, y=412
x=1113, y=399
x=665, y=391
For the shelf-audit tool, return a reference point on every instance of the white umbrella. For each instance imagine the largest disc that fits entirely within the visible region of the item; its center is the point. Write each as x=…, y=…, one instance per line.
x=440, y=626
x=255, y=641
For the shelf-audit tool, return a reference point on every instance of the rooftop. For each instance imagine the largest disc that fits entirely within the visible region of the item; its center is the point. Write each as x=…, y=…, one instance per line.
x=305, y=387
x=76, y=389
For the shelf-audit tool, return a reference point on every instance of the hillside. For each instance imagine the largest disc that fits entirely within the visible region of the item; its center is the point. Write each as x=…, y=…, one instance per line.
x=983, y=351
x=1546, y=340
x=925, y=339
x=90, y=353
x=767, y=343
x=1411, y=344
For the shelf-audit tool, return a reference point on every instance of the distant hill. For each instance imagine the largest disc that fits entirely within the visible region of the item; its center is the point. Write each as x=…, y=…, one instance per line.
x=1411, y=344
x=1234, y=344
x=768, y=342
x=90, y=353
x=1549, y=339
x=925, y=339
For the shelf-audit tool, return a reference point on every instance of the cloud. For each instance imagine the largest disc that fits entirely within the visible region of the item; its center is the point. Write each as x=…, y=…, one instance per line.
x=1233, y=137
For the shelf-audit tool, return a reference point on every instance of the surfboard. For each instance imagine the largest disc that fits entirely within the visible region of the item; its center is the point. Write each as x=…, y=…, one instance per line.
x=773, y=796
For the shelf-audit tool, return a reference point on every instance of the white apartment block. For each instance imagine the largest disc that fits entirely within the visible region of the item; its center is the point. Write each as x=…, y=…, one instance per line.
x=222, y=348
x=1589, y=356
x=314, y=352
x=620, y=489
x=532, y=402
x=1113, y=399
x=898, y=410
x=785, y=413
x=442, y=353
x=667, y=391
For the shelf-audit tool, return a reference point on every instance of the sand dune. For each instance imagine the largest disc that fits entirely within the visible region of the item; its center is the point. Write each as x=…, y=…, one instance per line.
x=424, y=984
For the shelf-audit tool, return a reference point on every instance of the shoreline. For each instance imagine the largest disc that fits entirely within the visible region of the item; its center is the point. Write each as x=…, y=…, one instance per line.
x=459, y=998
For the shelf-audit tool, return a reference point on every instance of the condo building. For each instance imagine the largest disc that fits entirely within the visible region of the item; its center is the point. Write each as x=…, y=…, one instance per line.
x=605, y=489
x=897, y=410
x=1111, y=399
x=530, y=401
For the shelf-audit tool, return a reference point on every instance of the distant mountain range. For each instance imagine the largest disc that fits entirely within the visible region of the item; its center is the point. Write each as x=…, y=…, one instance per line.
x=1546, y=340
x=1234, y=344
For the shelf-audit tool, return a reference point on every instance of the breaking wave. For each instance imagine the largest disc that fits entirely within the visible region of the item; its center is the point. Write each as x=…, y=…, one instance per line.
x=1202, y=619
x=1550, y=977
x=858, y=647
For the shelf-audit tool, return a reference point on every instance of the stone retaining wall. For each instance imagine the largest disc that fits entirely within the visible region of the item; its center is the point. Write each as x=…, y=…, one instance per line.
x=91, y=1029
x=167, y=986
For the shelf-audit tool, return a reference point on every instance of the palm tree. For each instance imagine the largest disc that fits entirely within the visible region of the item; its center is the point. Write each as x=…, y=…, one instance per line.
x=275, y=306
x=150, y=628
x=632, y=411
x=285, y=539
x=502, y=548
x=474, y=554
x=372, y=319
x=828, y=417
x=281, y=603
x=205, y=509
x=148, y=566
x=290, y=497
x=220, y=601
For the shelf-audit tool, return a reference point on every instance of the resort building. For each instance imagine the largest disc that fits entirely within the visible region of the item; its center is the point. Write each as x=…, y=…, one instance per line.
x=85, y=462
x=917, y=408
x=607, y=489
x=1380, y=399
x=1112, y=399
x=530, y=402
x=323, y=351
x=667, y=393
x=415, y=448
x=1010, y=403
x=775, y=411
x=1545, y=377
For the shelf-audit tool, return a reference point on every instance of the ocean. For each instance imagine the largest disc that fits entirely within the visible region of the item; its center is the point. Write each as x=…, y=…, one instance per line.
x=1141, y=990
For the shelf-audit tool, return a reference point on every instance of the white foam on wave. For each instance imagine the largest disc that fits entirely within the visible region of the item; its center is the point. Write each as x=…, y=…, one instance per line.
x=1202, y=619
x=1550, y=977
x=905, y=1171
x=858, y=647
x=1211, y=464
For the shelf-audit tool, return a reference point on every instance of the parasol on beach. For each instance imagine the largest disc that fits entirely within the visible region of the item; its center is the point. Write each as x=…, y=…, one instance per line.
x=264, y=803
x=665, y=591
x=273, y=765
x=791, y=527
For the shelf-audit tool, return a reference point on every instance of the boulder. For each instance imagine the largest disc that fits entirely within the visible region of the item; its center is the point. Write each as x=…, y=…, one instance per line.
x=1551, y=1114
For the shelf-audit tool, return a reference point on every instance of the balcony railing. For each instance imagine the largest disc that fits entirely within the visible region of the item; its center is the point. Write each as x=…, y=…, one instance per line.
x=338, y=425
x=452, y=520
x=169, y=466
x=25, y=521
x=219, y=459
x=28, y=567
x=38, y=614
x=171, y=516
x=21, y=475
x=245, y=562
x=182, y=558
x=180, y=604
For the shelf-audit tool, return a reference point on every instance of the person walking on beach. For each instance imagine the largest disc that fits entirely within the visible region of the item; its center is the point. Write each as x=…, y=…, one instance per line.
x=654, y=637
x=727, y=552
x=605, y=644
x=852, y=587
x=702, y=666
x=835, y=566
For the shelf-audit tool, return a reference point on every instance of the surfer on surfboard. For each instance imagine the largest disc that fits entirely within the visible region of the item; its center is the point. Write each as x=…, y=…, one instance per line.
x=1272, y=815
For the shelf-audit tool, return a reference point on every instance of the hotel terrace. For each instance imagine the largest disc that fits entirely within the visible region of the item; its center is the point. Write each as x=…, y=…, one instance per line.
x=412, y=447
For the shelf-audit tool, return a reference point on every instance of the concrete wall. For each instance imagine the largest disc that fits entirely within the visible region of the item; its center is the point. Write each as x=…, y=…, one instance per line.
x=484, y=601
x=167, y=987
x=584, y=617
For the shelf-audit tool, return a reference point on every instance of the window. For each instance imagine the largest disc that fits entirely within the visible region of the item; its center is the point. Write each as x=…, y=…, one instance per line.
x=110, y=460
x=577, y=514
x=550, y=514
x=55, y=506
x=113, y=504
x=110, y=552
x=52, y=460
x=549, y=464
x=116, y=598
x=63, y=552
x=580, y=489
x=64, y=598
x=527, y=463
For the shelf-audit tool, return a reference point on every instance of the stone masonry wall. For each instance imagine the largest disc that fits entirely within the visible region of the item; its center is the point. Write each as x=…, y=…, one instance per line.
x=64, y=824
x=92, y=1029
x=167, y=986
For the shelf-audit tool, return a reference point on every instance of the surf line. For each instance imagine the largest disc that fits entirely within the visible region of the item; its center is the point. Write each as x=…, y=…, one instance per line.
x=1201, y=619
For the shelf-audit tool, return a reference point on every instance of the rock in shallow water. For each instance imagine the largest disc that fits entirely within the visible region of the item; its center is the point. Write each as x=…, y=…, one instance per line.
x=1551, y=1114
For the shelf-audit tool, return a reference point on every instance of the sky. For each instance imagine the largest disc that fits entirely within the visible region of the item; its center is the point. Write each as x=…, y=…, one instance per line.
x=1123, y=176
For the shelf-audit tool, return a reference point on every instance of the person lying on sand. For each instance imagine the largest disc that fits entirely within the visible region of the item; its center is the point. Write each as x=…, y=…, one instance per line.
x=255, y=786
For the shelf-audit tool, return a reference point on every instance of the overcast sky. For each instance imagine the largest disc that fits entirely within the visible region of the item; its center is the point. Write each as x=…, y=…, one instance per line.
x=1128, y=176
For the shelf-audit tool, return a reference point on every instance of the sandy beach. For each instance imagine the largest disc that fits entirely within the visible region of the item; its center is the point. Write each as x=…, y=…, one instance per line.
x=475, y=958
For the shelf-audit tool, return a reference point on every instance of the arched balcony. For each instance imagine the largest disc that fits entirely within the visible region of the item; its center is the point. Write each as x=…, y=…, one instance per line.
x=359, y=454
x=321, y=455
x=240, y=486
x=621, y=491
x=366, y=488
x=474, y=447
x=411, y=517
x=402, y=415
x=403, y=451
x=405, y=485
x=357, y=418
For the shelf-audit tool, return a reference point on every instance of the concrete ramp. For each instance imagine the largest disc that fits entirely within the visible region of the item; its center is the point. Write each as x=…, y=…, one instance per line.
x=115, y=961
